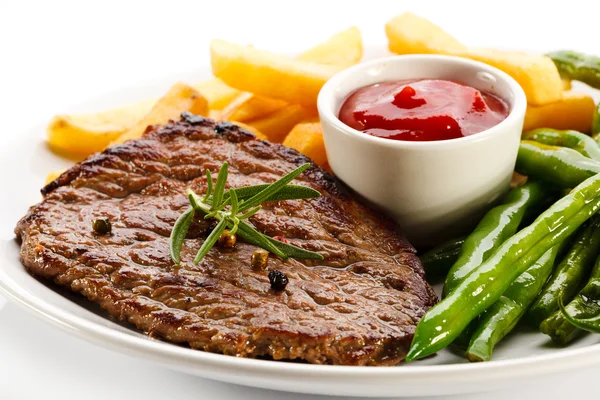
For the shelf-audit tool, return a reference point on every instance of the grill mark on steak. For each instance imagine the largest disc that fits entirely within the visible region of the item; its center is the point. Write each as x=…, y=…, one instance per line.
x=359, y=306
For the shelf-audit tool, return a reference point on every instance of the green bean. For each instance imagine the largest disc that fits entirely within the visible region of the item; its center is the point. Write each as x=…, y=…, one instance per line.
x=584, y=305
x=558, y=166
x=577, y=141
x=570, y=273
x=439, y=259
x=441, y=325
x=500, y=223
x=502, y=317
x=577, y=66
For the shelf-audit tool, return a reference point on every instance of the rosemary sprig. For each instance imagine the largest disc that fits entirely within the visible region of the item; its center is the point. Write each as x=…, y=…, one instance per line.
x=230, y=208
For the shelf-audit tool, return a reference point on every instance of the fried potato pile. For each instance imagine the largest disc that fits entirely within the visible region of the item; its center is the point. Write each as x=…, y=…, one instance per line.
x=274, y=96
x=271, y=95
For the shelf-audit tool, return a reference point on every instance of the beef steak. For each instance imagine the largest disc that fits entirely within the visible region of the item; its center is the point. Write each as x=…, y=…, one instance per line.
x=359, y=306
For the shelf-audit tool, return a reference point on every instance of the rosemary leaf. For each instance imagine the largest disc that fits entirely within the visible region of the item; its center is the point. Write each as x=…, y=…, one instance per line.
x=289, y=192
x=273, y=188
x=252, y=236
x=179, y=233
x=294, y=251
x=211, y=240
x=234, y=203
x=250, y=213
x=220, y=186
x=209, y=188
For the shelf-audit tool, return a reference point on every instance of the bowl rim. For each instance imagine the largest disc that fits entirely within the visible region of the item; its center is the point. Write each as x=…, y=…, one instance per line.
x=328, y=114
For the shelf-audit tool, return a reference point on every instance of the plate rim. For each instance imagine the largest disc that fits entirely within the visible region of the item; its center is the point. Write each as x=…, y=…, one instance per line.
x=189, y=359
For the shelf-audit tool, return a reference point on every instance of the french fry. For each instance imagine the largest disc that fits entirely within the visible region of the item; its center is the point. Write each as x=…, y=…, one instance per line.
x=307, y=138
x=410, y=34
x=537, y=74
x=181, y=97
x=269, y=74
x=251, y=129
x=216, y=92
x=52, y=175
x=342, y=49
x=574, y=111
x=80, y=135
x=277, y=125
x=247, y=106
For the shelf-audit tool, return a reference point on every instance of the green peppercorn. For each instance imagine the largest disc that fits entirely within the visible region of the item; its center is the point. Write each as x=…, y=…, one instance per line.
x=102, y=226
x=226, y=240
x=259, y=259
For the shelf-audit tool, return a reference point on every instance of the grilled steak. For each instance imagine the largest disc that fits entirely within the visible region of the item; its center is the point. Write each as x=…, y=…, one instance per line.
x=359, y=306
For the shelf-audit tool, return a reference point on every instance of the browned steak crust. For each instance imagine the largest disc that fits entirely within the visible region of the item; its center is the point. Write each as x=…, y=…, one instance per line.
x=359, y=306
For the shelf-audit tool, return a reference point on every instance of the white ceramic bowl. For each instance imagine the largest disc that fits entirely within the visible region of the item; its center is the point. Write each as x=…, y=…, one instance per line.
x=433, y=189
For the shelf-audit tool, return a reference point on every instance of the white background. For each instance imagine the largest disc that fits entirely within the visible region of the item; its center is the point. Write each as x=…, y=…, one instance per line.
x=54, y=54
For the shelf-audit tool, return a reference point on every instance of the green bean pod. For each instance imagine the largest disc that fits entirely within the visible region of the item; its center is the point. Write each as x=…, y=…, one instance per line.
x=569, y=274
x=441, y=325
x=596, y=124
x=577, y=66
x=500, y=223
x=586, y=304
x=577, y=141
x=439, y=259
x=558, y=166
x=502, y=317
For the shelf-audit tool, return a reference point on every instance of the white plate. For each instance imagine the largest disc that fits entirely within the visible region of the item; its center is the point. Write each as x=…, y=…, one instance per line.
x=519, y=358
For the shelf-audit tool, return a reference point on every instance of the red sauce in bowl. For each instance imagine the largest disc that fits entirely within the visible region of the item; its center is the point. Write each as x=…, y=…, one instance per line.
x=422, y=110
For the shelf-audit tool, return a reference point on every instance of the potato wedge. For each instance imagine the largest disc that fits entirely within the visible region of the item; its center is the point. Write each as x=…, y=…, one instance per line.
x=537, y=74
x=276, y=126
x=269, y=74
x=574, y=111
x=342, y=49
x=80, y=135
x=410, y=34
x=251, y=129
x=216, y=92
x=181, y=97
x=307, y=138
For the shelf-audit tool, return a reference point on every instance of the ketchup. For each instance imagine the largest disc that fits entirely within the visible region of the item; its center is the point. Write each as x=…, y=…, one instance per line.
x=422, y=110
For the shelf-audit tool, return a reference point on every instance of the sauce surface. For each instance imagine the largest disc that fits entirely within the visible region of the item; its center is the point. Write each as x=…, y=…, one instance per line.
x=422, y=110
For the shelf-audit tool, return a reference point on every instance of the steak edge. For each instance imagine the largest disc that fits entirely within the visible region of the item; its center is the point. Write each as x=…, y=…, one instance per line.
x=359, y=306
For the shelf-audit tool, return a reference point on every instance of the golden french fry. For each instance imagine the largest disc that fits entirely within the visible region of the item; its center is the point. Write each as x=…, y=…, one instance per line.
x=83, y=134
x=537, y=74
x=574, y=111
x=251, y=129
x=410, y=34
x=181, y=97
x=342, y=49
x=307, y=138
x=277, y=125
x=216, y=92
x=269, y=74
x=52, y=175
x=247, y=106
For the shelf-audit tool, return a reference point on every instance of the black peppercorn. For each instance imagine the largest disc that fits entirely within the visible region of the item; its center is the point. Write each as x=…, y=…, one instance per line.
x=278, y=280
x=102, y=226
